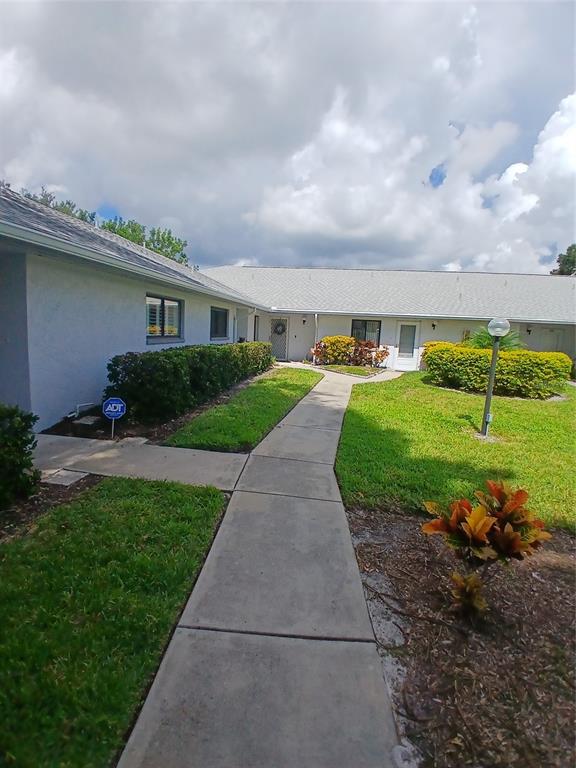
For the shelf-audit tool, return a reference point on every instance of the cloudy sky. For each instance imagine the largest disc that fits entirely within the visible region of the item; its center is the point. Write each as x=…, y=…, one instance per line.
x=398, y=135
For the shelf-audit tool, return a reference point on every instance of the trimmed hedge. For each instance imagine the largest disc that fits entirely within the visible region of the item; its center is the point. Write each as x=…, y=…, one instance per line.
x=519, y=373
x=18, y=478
x=164, y=384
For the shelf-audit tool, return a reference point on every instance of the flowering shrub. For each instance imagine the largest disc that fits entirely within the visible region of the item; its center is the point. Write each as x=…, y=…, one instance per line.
x=346, y=350
x=498, y=528
x=334, y=349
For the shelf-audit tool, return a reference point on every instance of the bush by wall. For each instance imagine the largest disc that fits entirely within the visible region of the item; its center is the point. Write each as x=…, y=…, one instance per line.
x=346, y=350
x=18, y=478
x=519, y=373
x=334, y=350
x=164, y=384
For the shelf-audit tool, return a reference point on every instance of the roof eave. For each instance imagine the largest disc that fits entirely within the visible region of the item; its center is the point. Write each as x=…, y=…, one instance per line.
x=30, y=237
x=428, y=316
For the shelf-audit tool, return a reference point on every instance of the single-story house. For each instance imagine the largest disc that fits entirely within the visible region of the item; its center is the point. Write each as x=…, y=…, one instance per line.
x=73, y=295
x=402, y=309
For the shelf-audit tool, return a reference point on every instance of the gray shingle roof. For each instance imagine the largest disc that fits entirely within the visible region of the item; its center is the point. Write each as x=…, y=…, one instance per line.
x=427, y=294
x=36, y=218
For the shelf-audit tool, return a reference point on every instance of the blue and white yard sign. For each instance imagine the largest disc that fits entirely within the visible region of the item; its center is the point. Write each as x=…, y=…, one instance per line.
x=114, y=408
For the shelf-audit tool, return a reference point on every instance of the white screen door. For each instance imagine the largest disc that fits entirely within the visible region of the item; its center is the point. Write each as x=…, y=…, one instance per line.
x=407, y=343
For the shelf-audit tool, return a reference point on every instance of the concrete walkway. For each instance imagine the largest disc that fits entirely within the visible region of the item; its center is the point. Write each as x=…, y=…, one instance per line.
x=68, y=458
x=274, y=663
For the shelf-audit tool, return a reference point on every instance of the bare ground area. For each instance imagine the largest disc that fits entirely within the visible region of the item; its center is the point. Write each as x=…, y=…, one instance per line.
x=497, y=693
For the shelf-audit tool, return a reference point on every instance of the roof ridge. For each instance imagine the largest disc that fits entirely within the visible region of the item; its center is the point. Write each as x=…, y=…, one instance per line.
x=382, y=269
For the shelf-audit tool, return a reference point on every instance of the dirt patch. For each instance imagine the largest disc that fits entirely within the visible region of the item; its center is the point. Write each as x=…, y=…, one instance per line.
x=20, y=519
x=500, y=693
x=154, y=432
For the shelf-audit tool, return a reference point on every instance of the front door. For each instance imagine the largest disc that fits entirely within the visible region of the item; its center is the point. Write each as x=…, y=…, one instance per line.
x=279, y=337
x=407, y=342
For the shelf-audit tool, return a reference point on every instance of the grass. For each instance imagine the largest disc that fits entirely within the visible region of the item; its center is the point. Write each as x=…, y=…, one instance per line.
x=248, y=416
x=355, y=370
x=89, y=600
x=405, y=441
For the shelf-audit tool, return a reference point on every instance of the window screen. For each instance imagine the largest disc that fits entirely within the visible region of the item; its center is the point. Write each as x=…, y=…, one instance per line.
x=366, y=330
x=163, y=317
x=218, y=323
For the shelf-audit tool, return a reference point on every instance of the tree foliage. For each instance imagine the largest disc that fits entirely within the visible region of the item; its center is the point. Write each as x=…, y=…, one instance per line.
x=63, y=206
x=158, y=239
x=566, y=262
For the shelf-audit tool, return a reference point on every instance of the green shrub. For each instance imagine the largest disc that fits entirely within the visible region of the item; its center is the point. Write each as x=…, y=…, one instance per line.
x=18, y=478
x=519, y=373
x=164, y=384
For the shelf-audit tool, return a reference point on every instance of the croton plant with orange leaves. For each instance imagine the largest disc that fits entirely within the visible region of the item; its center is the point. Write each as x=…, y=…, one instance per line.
x=497, y=527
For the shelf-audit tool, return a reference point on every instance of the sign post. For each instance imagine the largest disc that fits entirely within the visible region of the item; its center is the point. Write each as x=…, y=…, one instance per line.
x=114, y=408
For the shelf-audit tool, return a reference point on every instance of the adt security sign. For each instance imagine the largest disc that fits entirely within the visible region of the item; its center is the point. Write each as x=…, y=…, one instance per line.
x=114, y=408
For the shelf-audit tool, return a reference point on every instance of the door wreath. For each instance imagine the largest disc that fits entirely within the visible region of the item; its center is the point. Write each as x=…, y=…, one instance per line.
x=279, y=328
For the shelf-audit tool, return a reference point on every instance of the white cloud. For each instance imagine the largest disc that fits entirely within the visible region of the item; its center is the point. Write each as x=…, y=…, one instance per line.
x=303, y=133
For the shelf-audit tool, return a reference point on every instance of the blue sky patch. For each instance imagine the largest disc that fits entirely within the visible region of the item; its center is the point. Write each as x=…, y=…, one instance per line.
x=437, y=175
x=107, y=211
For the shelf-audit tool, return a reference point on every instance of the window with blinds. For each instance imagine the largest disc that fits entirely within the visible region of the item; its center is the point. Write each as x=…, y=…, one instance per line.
x=366, y=330
x=163, y=317
x=218, y=323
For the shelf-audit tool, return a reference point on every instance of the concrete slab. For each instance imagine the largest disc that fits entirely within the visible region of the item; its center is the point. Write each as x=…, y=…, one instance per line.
x=281, y=565
x=306, y=480
x=155, y=462
x=225, y=700
x=300, y=443
x=313, y=415
x=65, y=477
x=56, y=451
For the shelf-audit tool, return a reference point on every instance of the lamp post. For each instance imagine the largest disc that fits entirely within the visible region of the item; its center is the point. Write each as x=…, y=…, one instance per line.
x=497, y=328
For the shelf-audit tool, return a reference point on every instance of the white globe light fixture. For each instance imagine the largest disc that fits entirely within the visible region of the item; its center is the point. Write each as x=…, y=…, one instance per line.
x=497, y=328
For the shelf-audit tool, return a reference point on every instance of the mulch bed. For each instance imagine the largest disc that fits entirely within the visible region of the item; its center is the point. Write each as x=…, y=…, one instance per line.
x=497, y=693
x=20, y=519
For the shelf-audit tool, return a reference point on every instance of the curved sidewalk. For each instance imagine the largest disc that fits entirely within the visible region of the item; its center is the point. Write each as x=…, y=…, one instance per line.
x=273, y=663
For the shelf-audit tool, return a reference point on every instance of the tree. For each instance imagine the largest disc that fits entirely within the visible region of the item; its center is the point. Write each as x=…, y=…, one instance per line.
x=63, y=206
x=566, y=262
x=130, y=229
x=164, y=242
x=158, y=239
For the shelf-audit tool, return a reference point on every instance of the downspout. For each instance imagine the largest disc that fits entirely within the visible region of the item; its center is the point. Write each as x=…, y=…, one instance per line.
x=315, y=327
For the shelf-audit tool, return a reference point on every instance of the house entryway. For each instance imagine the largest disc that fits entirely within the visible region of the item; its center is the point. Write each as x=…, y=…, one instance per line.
x=279, y=337
x=407, y=345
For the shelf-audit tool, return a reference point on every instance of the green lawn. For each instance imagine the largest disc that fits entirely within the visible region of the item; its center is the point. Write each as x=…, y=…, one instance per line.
x=88, y=601
x=355, y=370
x=405, y=441
x=248, y=416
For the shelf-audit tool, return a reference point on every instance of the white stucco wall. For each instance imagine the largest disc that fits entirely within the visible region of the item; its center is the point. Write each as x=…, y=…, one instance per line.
x=80, y=315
